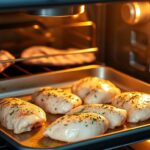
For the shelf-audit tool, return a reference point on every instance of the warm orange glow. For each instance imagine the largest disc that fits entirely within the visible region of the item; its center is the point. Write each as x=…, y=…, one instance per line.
x=138, y=10
x=82, y=9
x=142, y=145
x=48, y=34
x=36, y=26
x=133, y=13
x=75, y=16
x=148, y=141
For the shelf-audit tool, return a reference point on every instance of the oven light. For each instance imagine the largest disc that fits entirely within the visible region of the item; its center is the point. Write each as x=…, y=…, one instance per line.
x=133, y=13
x=138, y=11
x=82, y=9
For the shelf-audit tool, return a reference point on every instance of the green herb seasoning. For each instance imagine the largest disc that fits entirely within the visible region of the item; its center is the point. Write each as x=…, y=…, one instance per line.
x=11, y=113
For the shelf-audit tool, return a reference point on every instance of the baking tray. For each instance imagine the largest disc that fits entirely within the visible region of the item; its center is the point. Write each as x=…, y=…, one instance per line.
x=128, y=134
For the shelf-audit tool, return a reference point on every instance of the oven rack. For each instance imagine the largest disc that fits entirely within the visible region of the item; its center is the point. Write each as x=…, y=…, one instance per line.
x=19, y=69
x=72, y=52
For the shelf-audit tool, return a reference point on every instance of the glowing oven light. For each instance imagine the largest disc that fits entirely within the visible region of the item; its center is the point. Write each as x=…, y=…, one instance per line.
x=138, y=11
x=82, y=9
x=133, y=13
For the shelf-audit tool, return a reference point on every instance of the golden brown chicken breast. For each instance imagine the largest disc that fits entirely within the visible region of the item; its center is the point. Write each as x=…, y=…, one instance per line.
x=115, y=116
x=72, y=128
x=20, y=116
x=55, y=100
x=5, y=55
x=93, y=90
x=137, y=105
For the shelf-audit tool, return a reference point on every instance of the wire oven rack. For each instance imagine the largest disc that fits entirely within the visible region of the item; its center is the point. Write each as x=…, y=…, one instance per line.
x=19, y=69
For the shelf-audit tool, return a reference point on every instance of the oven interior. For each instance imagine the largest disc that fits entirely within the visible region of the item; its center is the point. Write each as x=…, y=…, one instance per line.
x=21, y=30
x=118, y=31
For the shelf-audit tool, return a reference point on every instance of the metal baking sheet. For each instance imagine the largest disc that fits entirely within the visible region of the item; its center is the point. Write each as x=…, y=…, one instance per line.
x=129, y=133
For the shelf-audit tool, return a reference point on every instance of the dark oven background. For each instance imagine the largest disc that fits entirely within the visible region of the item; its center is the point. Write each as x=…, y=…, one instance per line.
x=123, y=36
x=128, y=43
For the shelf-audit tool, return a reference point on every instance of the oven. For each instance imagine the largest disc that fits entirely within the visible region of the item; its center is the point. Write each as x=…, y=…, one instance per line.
x=114, y=33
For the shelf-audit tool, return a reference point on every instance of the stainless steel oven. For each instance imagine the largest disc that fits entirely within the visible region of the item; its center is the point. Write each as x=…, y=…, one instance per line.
x=115, y=33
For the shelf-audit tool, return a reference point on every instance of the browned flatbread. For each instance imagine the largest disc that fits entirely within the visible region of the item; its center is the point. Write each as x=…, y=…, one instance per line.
x=74, y=59
x=5, y=55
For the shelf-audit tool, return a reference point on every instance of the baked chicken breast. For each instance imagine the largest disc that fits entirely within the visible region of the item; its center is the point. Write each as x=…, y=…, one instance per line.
x=20, y=116
x=115, y=116
x=93, y=90
x=4, y=55
x=55, y=100
x=72, y=128
x=137, y=105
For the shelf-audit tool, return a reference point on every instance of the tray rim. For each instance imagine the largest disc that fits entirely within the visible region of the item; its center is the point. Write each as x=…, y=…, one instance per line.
x=88, y=67
x=83, y=68
x=90, y=141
